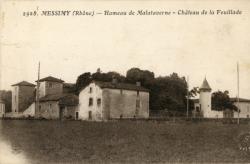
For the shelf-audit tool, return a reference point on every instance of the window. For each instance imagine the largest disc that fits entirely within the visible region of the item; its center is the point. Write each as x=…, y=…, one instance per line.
x=137, y=103
x=90, y=90
x=40, y=107
x=99, y=101
x=90, y=101
x=50, y=85
x=138, y=93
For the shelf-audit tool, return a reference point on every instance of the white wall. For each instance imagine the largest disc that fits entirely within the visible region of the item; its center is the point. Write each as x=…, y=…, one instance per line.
x=15, y=97
x=42, y=89
x=84, y=107
x=2, y=109
x=205, y=101
x=244, y=109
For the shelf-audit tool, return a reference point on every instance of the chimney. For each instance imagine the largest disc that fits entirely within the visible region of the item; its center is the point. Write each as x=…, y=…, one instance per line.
x=138, y=84
x=114, y=81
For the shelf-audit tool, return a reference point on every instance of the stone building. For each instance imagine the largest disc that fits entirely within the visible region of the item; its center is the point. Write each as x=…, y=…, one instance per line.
x=244, y=107
x=203, y=107
x=53, y=102
x=113, y=100
x=50, y=85
x=23, y=95
x=58, y=106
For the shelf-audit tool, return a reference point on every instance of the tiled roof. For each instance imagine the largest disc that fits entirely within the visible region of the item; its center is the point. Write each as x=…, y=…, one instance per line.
x=205, y=85
x=118, y=85
x=24, y=83
x=64, y=99
x=234, y=99
x=52, y=79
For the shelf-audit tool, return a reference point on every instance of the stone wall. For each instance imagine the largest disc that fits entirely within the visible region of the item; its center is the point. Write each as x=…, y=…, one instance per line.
x=26, y=97
x=70, y=112
x=22, y=97
x=49, y=110
x=47, y=87
x=118, y=103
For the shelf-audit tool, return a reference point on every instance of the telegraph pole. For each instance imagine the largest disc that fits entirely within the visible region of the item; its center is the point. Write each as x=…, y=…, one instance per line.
x=238, y=93
x=187, y=95
x=37, y=91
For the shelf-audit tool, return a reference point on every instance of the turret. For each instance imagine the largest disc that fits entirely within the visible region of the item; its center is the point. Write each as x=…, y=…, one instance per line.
x=205, y=98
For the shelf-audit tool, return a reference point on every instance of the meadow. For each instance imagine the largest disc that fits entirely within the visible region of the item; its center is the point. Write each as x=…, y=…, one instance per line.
x=125, y=141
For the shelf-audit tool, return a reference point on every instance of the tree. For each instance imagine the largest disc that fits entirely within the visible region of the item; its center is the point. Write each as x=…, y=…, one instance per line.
x=169, y=93
x=221, y=101
x=144, y=76
x=82, y=81
x=107, y=77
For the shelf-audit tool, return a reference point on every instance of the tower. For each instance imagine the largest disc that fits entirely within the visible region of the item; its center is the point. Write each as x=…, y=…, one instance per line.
x=49, y=86
x=205, y=98
x=22, y=96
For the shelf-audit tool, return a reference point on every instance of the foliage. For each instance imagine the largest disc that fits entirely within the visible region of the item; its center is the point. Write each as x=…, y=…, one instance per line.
x=83, y=80
x=144, y=76
x=221, y=101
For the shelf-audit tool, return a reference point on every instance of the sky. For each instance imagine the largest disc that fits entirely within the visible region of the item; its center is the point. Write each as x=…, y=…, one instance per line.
x=67, y=46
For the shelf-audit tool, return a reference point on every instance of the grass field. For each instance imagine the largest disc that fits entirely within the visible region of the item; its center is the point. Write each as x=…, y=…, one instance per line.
x=124, y=141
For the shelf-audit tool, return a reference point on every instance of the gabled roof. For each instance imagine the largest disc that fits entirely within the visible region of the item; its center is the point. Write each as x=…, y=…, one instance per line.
x=205, y=86
x=234, y=99
x=24, y=83
x=125, y=86
x=63, y=99
x=52, y=79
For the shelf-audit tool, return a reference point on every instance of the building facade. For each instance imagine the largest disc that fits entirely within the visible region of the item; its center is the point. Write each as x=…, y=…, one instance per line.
x=23, y=94
x=244, y=107
x=203, y=107
x=113, y=100
x=53, y=102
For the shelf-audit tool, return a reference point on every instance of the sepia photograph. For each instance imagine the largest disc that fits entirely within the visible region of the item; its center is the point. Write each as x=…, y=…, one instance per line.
x=145, y=81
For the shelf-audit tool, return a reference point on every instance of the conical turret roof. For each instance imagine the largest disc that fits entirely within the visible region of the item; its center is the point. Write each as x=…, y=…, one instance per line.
x=205, y=86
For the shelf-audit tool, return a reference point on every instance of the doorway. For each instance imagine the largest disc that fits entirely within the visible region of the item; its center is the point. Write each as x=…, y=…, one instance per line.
x=90, y=115
x=77, y=115
x=61, y=113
